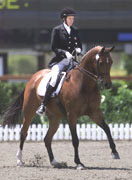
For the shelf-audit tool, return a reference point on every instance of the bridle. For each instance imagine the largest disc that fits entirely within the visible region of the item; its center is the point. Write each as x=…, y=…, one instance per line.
x=93, y=76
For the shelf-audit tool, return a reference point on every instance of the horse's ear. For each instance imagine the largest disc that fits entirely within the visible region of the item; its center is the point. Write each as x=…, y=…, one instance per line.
x=102, y=50
x=111, y=49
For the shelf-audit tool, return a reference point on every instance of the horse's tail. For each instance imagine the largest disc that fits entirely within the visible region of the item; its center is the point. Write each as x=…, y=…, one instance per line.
x=11, y=116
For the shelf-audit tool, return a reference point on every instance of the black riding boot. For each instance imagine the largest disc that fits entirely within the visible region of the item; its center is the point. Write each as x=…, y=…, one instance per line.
x=41, y=108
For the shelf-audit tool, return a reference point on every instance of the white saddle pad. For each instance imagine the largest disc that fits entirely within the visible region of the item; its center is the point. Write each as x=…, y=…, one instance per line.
x=43, y=85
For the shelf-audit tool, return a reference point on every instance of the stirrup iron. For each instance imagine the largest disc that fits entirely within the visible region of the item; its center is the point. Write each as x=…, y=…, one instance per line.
x=41, y=109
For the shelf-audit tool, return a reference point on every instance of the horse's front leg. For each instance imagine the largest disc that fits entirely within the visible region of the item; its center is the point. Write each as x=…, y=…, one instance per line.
x=53, y=126
x=75, y=142
x=106, y=128
x=98, y=118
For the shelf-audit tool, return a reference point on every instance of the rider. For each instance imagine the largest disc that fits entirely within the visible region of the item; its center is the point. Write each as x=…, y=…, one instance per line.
x=64, y=40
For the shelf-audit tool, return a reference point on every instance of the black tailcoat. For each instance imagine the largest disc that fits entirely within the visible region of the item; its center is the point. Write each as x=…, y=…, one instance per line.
x=61, y=42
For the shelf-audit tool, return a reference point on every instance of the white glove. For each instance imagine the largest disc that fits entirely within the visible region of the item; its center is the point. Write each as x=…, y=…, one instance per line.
x=68, y=55
x=78, y=50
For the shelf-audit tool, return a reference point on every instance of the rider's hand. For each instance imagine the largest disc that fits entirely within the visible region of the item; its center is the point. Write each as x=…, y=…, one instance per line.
x=68, y=55
x=78, y=51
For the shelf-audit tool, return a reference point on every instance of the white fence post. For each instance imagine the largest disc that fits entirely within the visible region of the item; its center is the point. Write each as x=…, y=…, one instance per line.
x=127, y=131
x=93, y=132
x=17, y=132
x=5, y=130
x=83, y=131
x=115, y=130
x=121, y=132
x=88, y=130
x=33, y=130
x=11, y=134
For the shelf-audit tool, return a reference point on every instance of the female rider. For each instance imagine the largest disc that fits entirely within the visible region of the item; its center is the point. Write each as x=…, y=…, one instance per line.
x=64, y=40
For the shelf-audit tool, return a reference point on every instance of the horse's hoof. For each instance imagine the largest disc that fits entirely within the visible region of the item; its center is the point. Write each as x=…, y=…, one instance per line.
x=57, y=165
x=80, y=166
x=20, y=163
x=60, y=165
x=115, y=155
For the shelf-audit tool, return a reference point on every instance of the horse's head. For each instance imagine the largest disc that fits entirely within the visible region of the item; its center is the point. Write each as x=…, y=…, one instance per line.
x=97, y=64
x=102, y=66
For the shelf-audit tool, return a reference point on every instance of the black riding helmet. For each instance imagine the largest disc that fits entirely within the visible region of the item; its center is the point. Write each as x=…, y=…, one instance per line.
x=67, y=12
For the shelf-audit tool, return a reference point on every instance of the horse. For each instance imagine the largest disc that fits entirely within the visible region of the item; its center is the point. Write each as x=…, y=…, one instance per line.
x=79, y=95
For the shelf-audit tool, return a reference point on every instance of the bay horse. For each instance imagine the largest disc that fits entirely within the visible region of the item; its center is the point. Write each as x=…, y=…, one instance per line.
x=79, y=96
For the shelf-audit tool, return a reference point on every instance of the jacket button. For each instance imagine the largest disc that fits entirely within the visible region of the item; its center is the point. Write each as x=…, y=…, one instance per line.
x=69, y=42
x=68, y=47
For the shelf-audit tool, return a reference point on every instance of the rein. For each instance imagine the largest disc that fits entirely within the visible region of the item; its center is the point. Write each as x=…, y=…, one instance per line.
x=88, y=73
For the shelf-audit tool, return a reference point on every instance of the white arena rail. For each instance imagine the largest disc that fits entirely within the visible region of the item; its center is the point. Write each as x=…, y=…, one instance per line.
x=85, y=132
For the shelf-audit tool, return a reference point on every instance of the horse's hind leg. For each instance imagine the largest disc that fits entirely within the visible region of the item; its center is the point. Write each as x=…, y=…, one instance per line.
x=28, y=116
x=23, y=136
x=53, y=126
x=98, y=118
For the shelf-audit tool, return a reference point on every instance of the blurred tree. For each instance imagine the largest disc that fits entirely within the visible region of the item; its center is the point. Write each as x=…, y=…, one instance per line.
x=127, y=63
x=22, y=65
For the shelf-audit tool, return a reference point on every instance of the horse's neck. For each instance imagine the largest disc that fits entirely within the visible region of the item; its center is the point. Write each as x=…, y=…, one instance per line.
x=87, y=62
x=86, y=65
x=82, y=80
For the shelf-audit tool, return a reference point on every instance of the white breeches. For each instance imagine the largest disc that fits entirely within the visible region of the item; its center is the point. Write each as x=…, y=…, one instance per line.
x=56, y=69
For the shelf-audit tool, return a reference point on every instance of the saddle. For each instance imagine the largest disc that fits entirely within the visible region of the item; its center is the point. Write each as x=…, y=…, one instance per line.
x=46, y=80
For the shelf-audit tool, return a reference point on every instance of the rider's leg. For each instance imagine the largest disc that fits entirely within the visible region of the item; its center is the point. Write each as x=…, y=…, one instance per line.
x=49, y=90
x=55, y=71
